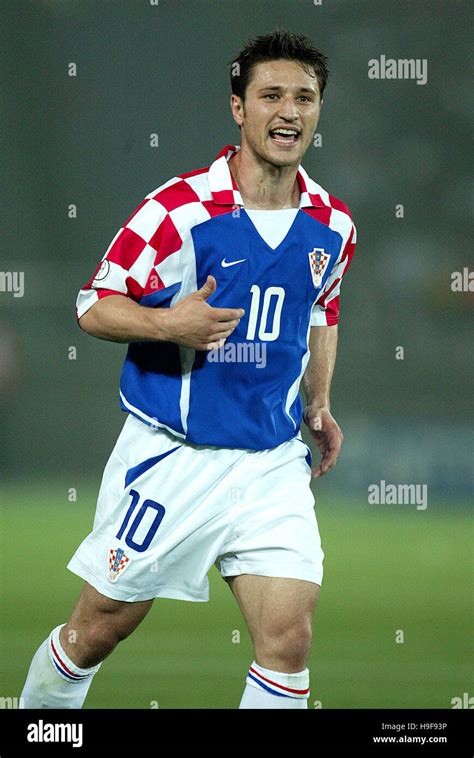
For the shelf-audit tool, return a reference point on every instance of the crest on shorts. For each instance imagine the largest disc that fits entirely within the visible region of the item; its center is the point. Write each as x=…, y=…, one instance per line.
x=318, y=263
x=118, y=562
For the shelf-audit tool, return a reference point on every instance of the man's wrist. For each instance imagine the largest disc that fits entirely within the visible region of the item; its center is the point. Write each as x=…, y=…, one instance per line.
x=155, y=323
x=318, y=405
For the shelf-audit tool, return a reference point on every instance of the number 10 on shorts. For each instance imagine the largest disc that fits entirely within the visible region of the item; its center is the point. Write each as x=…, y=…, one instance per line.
x=160, y=512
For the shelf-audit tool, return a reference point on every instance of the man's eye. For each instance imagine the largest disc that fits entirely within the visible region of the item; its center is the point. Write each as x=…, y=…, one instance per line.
x=303, y=97
x=272, y=94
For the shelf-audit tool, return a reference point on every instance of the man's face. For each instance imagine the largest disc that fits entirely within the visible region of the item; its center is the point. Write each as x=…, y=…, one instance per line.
x=279, y=95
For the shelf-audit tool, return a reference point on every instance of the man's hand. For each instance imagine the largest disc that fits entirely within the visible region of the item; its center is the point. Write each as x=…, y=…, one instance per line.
x=194, y=323
x=326, y=433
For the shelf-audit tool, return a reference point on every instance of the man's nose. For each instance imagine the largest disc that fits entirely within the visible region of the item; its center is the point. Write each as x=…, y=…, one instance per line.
x=288, y=108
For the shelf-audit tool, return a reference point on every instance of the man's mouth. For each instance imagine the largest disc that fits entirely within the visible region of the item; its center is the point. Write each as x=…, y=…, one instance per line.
x=286, y=137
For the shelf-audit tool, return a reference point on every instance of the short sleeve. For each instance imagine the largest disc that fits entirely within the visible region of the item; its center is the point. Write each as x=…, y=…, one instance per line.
x=325, y=311
x=128, y=267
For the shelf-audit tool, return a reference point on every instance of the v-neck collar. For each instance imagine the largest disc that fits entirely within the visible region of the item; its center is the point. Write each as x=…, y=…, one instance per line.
x=264, y=242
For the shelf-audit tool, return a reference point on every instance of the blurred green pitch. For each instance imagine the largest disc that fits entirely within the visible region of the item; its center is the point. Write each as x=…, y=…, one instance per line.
x=387, y=568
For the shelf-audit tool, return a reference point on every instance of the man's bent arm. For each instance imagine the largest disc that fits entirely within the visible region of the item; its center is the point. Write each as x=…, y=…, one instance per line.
x=318, y=375
x=120, y=319
x=190, y=322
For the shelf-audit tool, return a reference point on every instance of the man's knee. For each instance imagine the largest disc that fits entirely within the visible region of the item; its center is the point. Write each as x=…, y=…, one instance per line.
x=284, y=646
x=91, y=641
x=102, y=634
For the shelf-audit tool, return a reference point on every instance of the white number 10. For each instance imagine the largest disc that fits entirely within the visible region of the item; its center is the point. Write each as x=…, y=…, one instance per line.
x=263, y=334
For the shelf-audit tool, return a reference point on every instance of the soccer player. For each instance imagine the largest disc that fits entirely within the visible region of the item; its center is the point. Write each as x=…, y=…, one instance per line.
x=225, y=283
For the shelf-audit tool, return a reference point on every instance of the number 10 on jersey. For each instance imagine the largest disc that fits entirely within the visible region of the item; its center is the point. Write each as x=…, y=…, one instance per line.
x=265, y=333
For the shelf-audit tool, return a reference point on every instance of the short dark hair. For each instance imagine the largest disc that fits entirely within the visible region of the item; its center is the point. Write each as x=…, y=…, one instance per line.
x=276, y=45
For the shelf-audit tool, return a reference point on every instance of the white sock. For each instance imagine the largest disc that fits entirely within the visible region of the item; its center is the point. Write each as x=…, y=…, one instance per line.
x=272, y=689
x=53, y=680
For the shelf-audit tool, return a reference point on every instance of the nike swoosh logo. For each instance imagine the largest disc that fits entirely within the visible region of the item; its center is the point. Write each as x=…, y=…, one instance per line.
x=225, y=263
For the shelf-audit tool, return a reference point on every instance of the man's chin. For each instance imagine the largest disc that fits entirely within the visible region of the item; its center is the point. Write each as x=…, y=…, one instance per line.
x=279, y=160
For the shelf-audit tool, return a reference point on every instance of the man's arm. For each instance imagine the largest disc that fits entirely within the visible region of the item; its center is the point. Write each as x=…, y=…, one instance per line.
x=317, y=385
x=118, y=318
x=191, y=322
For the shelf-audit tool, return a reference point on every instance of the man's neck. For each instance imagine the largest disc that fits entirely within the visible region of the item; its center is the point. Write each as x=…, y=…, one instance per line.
x=262, y=186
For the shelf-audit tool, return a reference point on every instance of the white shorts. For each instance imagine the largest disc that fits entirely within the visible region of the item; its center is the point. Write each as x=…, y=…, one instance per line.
x=168, y=509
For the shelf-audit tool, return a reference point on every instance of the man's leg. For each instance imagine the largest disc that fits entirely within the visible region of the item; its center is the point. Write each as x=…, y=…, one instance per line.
x=278, y=613
x=62, y=668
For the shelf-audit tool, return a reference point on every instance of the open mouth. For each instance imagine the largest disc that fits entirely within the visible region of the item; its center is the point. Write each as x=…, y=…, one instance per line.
x=284, y=137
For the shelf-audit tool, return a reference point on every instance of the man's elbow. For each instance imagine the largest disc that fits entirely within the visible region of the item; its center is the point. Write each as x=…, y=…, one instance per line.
x=86, y=322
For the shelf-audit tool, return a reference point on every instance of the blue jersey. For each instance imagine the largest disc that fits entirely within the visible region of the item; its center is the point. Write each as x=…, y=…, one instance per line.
x=285, y=274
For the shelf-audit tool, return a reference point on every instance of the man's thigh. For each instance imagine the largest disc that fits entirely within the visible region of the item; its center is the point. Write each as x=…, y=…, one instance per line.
x=275, y=532
x=164, y=513
x=272, y=605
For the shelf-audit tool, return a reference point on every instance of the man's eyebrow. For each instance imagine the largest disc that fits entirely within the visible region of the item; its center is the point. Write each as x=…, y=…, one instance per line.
x=280, y=87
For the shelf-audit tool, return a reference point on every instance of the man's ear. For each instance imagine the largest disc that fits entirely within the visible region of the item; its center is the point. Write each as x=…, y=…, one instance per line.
x=237, y=108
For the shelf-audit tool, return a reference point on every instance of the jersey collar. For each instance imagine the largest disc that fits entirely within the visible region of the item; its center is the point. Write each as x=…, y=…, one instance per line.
x=225, y=191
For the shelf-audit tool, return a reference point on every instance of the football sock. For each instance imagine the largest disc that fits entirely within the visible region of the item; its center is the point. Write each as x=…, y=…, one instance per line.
x=53, y=680
x=272, y=689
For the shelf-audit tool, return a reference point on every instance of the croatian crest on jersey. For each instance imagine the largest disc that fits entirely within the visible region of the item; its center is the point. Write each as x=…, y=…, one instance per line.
x=118, y=562
x=318, y=262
